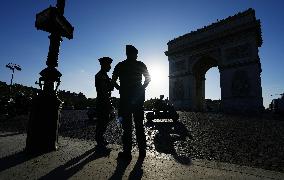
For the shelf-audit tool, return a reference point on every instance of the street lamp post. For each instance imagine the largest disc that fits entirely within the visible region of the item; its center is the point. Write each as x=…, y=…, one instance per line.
x=12, y=67
x=43, y=123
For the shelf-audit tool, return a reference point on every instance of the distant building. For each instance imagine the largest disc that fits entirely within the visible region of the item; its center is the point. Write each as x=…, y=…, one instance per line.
x=231, y=45
x=277, y=105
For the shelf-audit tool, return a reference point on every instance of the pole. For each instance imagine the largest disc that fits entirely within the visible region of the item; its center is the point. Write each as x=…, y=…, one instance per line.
x=42, y=134
x=11, y=83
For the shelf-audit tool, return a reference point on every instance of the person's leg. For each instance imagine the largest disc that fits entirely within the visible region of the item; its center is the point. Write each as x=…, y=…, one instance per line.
x=99, y=134
x=102, y=122
x=127, y=132
x=140, y=132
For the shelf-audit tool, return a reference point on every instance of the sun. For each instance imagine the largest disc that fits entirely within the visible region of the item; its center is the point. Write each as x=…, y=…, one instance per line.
x=159, y=84
x=158, y=74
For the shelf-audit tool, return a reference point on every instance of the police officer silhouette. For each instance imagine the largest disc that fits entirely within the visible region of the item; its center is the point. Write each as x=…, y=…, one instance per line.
x=104, y=86
x=132, y=96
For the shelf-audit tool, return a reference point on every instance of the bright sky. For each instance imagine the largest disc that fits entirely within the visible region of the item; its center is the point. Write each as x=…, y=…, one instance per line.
x=104, y=27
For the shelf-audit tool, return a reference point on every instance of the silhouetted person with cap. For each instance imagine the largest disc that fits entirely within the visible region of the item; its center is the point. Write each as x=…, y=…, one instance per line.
x=104, y=86
x=132, y=96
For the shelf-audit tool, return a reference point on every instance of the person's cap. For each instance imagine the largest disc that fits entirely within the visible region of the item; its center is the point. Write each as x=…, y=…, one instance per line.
x=105, y=60
x=131, y=49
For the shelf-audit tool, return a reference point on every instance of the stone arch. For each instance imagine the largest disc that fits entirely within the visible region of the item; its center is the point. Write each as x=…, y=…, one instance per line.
x=199, y=69
x=232, y=46
x=240, y=84
x=202, y=65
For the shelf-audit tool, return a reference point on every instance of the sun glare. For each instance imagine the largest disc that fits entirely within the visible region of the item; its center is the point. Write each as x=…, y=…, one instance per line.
x=158, y=75
x=159, y=80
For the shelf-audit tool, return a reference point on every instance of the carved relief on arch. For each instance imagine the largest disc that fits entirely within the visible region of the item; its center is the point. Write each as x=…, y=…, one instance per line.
x=238, y=52
x=178, y=90
x=178, y=66
x=240, y=84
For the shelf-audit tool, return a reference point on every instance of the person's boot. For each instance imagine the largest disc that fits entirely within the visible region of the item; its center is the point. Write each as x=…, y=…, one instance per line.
x=102, y=150
x=125, y=156
x=101, y=144
x=142, y=154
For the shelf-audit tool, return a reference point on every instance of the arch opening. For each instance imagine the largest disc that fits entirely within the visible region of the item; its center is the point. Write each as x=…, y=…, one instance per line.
x=199, y=71
x=212, y=90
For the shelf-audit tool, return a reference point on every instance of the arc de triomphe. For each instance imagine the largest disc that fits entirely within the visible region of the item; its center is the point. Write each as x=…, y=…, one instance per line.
x=231, y=45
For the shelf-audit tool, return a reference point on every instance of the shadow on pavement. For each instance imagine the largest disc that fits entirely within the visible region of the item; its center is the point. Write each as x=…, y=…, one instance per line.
x=119, y=170
x=135, y=174
x=70, y=168
x=15, y=159
x=137, y=171
x=10, y=134
x=168, y=134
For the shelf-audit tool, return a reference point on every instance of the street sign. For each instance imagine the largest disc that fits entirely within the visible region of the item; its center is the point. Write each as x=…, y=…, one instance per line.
x=50, y=20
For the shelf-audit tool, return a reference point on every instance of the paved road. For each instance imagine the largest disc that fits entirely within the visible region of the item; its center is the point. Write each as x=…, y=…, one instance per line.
x=77, y=159
x=250, y=141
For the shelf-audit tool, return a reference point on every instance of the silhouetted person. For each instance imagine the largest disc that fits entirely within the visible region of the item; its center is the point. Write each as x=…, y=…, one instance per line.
x=132, y=96
x=104, y=87
x=160, y=105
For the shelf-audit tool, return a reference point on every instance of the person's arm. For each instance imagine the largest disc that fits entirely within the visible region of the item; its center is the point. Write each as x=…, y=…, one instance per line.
x=110, y=85
x=116, y=85
x=113, y=84
x=146, y=74
x=115, y=77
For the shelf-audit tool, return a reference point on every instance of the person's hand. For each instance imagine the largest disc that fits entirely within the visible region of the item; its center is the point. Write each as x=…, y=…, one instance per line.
x=115, y=85
x=144, y=87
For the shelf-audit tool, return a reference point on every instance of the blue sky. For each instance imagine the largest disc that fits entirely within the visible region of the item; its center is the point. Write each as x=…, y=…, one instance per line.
x=104, y=27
